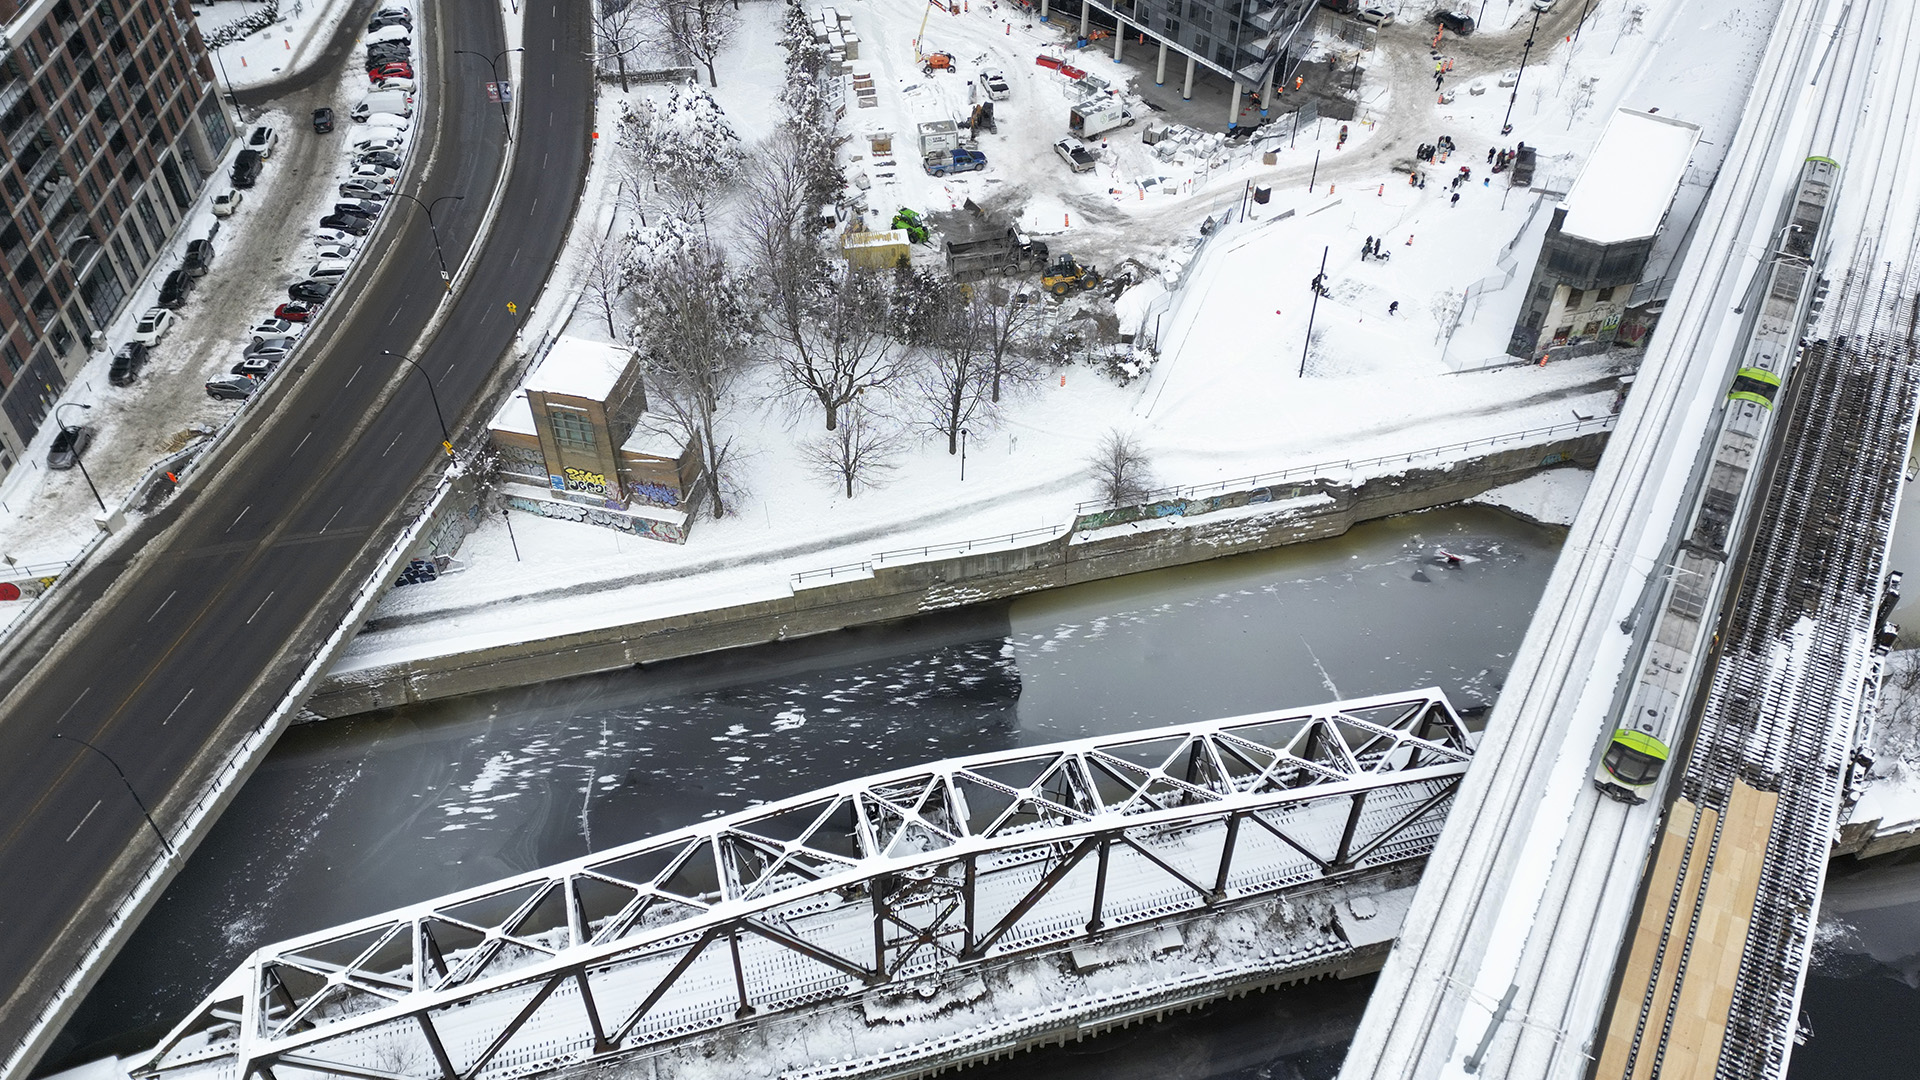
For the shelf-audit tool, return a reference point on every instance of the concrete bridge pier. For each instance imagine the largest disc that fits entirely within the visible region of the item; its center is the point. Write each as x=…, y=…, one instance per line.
x=1160, y=72
x=1186, y=93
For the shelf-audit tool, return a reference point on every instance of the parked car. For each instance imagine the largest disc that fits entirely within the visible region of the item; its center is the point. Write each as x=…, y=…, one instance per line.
x=388, y=125
x=371, y=139
x=274, y=327
x=199, y=258
x=399, y=69
x=1378, y=16
x=225, y=203
x=174, y=289
x=994, y=82
x=385, y=158
x=383, y=19
x=68, y=446
x=353, y=224
x=232, y=388
x=1543, y=6
x=948, y=162
x=329, y=270
x=274, y=347
x=257, y=368
x=262, y=140
x=388, y=54
x=154, y=325
x=294, y=311
x=1078, y=155
x=246, y=168
x=1453, y=22
x=128, y=359
x=392, y=102
x=332, y=252
x=322, y=120
x=311, y=292
x=391, y=34
x=365, y=208
x=376, y=176
x=404, y=86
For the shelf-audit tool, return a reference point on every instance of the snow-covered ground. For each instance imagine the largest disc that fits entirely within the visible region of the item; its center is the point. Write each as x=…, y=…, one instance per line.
x=286, y=45
x=1550, y=498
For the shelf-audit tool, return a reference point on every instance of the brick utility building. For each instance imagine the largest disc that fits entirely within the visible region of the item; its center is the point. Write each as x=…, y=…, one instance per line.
x=1601, y=236
x=1253, y=43
x=109, y=128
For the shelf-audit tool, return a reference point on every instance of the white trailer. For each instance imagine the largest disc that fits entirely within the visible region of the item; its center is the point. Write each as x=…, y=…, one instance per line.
x=1095, y=115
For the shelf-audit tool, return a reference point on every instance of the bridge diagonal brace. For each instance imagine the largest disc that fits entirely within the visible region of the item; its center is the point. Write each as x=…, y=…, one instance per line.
x=600, y=1043
x=513, y=1027
x=432, y=1034
x=1040, y=889
x=1199, y=890
x=810, y=950
x=337, y=1068
x=1261, y=821
x=679, y=968
x=1411, y=816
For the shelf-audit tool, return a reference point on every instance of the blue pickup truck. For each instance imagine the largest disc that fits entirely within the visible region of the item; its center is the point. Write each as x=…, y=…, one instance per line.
x=947, y=162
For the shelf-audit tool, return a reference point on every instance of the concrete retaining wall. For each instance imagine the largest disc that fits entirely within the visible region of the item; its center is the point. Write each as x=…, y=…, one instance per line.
x=1236, y=524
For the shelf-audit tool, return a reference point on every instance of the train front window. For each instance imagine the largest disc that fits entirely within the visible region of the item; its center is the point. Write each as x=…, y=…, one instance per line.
x=1630, y=766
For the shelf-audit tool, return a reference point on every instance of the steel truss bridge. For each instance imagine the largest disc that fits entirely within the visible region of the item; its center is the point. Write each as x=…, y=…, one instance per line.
x=838, y=893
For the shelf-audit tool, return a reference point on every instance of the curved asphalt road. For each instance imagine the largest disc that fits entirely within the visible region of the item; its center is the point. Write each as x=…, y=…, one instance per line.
x=169, y=652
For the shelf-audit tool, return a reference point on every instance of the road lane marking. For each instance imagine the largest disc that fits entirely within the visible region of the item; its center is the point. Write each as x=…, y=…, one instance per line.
x=237, y=517
x=258, y=610
x=390, y=446
x=303, y=442
x=336, y=514
x=350, y=378
x=83, y=820
x=75, y=705
x=163, y=604
x=176, y=708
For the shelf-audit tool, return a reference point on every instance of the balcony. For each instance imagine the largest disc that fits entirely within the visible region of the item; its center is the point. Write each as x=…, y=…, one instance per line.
x=20, y=139
x=43, y=168
x=11, y=94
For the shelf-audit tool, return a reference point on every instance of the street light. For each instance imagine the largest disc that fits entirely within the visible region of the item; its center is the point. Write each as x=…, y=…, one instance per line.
x=1506, y=125
x=164, y=842
x=504, y=90
x=963, y=455
x=446, y=439
x=64, y=429
x=434, y=229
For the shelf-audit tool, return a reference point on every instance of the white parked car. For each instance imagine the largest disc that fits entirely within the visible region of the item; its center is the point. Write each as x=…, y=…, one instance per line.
x=334, y=237
x=329, y=270
x=225, y=203
x=154, y=325
x=1378, y=16
x=390, y=33
x=378, y=138
x=276, y=328
x=334, y=251
x=263, y=140
x=405, y=86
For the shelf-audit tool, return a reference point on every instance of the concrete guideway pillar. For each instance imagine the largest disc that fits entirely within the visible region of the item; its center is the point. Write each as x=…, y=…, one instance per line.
x=1160, y=72
x=1086, y=10
x=1119, y=36
x=1266, y=94
x=1187, y=93
x=1233, y=105
x=1044, y=10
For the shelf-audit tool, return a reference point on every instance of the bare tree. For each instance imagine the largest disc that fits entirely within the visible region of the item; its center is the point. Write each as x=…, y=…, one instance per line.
x=603, y=276
x=1009, y=320
x=954, y=382
x=700, y=29
x=619, y=31
x=842, y=344
x=682, y=152
x=1121, y=469
x=690, y=323
x=780, y=242
x=854, y=456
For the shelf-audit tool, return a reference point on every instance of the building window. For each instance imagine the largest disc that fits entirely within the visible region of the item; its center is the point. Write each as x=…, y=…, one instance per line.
x=1574, y=297
x=1604, y=296
x=152, y=221
x=103, y=293
x=215, y=123
x=139, y=245
x=572, y=431
x=14, y=360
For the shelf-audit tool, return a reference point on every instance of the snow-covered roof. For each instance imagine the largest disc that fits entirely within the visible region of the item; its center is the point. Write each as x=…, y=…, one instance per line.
x=1624, y=192
x=654, y=440
x=580, y=368
x=515, y=416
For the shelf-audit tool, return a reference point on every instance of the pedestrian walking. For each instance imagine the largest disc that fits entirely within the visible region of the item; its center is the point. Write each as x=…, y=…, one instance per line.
x=1456, y=198
x=1366, y=249
x=1490, y=153
x=1393, y=308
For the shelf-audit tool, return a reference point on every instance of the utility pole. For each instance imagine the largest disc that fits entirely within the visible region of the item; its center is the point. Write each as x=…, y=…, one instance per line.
x=1318, y=284
x=1506, y=125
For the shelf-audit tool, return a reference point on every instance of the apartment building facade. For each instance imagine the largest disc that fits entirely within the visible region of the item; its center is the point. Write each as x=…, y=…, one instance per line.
x=109, y=130
x=1254, y=43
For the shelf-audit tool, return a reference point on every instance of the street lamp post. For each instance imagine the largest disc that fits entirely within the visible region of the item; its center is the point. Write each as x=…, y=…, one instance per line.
x=164, y=842
x=77, y=459
x=1506, y=124
x=963, y=455
x=446, y=438
x=228, y=79
x=1319, y=283
x=433, y=229
x=503, y=90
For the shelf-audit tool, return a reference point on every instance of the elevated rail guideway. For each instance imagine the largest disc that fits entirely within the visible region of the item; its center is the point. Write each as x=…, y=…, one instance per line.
x=1509, y=957
x=929, y=875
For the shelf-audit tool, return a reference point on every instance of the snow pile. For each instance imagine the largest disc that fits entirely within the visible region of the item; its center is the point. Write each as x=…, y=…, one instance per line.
x=1550, y=498
x=268, y=41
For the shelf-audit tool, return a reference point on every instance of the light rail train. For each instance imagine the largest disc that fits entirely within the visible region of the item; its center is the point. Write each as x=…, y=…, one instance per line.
x=1635, y=753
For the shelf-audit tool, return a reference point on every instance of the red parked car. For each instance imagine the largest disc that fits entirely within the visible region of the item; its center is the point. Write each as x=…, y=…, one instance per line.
x=395, y=70
x=295, y=311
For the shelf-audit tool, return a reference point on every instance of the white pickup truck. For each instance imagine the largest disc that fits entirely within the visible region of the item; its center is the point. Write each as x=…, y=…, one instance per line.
x=1078, y=155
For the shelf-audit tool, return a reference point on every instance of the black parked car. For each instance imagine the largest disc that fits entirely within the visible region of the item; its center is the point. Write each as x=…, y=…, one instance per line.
x=232, y=388
x=386, y=159
x=391, y=52
x=127, y=362
x=311, y=292
x=246, y=168
x=322, y=121
x=347, y=223
x=366, y=208
x=1454, y=22
x=199, y=258
x=174, y=290
x=68, y=446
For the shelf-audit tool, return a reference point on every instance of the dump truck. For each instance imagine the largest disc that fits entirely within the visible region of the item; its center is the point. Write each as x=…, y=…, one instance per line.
x=978, y=246
x=1095, y=115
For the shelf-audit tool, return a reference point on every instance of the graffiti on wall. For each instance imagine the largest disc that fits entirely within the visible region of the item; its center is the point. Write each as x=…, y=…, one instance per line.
x=582, y=480
x=634, y=525
x=656, y=495
x=1121, y=515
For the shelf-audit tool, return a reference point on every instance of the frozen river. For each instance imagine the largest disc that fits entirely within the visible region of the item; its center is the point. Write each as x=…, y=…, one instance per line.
x=352, y=817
